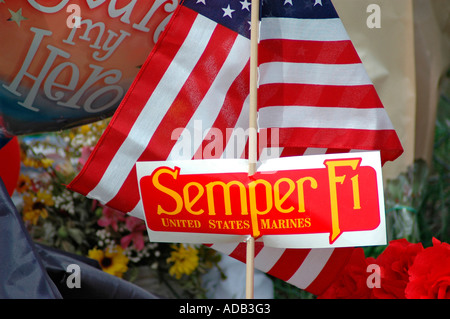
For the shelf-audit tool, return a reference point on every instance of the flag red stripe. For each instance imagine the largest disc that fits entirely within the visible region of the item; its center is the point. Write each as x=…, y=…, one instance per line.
x=288, y=263
x=233, y=104
x=130, y=191
x=336, y=150
x=349, y=139
x=303, y=51
x=240, y=252
x=359, y=96
x=292, y=151
x=331, y=270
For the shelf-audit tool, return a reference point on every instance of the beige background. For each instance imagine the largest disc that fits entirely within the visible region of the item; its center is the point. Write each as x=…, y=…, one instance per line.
x=405, y=58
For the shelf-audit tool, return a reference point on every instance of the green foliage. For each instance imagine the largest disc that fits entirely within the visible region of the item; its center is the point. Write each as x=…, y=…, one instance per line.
x=418, y=200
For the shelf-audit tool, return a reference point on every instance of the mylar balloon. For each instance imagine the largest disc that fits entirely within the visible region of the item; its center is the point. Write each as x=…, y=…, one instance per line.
x=66, y=63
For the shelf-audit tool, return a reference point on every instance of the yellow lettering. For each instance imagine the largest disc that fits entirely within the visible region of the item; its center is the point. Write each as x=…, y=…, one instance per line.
x=301, y=193
x=265, y=223
x=355, y=186
x=333, y=180
x=177, y=198
x=227, y=196
x=285, y=224
x=276, y=191
x=254, y=212
x=189, y=203
x=177, y=223
x=308, y=222
x=294, y=223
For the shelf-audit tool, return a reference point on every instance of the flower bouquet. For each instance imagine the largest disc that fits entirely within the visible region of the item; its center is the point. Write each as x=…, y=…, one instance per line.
x=71, y=222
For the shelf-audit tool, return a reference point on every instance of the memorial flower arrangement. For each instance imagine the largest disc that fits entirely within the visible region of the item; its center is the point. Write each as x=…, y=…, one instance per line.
x=415, y=263
x=69, y=221
x=416, y=205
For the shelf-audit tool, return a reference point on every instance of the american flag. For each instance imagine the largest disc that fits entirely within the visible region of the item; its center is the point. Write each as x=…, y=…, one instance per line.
x=313, y=86
x=313, y=89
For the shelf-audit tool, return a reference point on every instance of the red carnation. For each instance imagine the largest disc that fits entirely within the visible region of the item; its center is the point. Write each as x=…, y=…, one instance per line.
x=394, y=262
x=429, y=276
x=351, y=284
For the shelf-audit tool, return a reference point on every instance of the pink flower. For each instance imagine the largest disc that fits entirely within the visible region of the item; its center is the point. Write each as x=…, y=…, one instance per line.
x=111, y=217
x=137, y=227
x=429, y=276
x=85, y=153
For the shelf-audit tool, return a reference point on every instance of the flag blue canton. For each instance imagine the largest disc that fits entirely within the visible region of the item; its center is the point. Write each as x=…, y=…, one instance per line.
x=300, y=9
x=233, y=14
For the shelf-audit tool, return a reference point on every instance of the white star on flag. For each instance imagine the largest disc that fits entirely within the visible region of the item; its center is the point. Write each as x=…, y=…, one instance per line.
x=228, y=11
x=245, y=5
x=318, y=2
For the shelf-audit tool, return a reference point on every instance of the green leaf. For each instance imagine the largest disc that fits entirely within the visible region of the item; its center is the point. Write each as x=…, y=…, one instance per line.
x=76, y=234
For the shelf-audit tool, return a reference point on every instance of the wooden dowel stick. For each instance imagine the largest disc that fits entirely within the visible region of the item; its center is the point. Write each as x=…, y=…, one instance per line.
x=250, y=266
x=252, y=138
x=253, y=142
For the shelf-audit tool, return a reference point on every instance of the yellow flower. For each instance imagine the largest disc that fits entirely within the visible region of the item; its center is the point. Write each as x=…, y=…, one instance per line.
x=112, y=260
x=46, y=162
x=185, y=260
x=36, y=163
x=30, y=162
x=85, y=128
x=23, y=183
x=36, y=206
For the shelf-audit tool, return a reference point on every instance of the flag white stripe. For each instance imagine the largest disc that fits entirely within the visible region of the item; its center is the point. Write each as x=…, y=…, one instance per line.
x=315, y=151
x=150, y=117
x=311, y=267
x=303, y=29
x=267, y=258
x=235, y=146
x=270, y=152
x=138, y=210
x=324, y=117
x=211, y=105
x=313, y=73
x=225, y=248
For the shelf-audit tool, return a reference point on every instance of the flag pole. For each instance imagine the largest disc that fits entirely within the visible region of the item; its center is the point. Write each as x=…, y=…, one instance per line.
x=252, y=142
